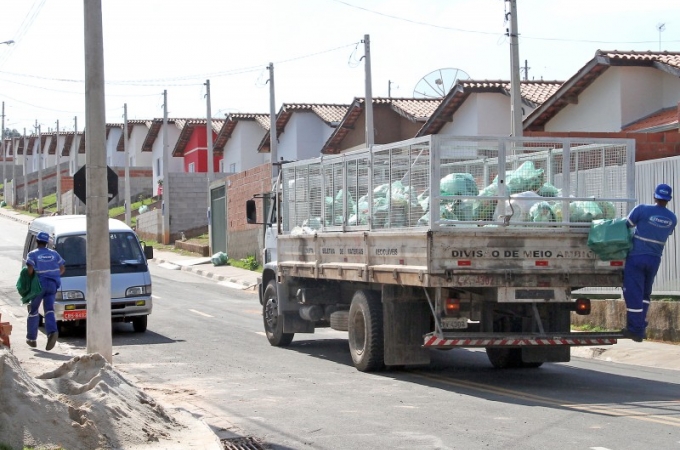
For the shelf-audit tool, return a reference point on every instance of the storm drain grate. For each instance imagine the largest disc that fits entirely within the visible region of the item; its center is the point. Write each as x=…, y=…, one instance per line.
x=244, y=443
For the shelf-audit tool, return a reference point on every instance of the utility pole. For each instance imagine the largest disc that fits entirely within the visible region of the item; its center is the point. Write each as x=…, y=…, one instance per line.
x=57, y=151
x=25, y=171
x=74, y=162
x=165, y=199
x=273, y=138
x=370, y=136
x=4, y=154
x=128, y=218
x=208, y=130
x=98, y=253
x=515, y=91
x=40, y=183
x=14, y=176
x=525, y=69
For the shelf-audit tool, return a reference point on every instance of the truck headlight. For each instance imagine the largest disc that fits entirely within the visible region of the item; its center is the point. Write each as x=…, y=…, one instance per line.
x=69, y=295
x=136, y=291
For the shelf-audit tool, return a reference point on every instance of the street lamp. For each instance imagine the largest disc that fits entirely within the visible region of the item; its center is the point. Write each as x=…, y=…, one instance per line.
x=10, y=42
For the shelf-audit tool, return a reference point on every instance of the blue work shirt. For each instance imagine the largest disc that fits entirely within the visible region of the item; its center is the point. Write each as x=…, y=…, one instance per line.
x=653, y=224
x=46, y=263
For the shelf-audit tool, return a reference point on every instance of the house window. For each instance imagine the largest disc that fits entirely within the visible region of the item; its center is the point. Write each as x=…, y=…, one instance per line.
x=232, y=167
x=221, y=169
x=158, y=167
x=192, y=167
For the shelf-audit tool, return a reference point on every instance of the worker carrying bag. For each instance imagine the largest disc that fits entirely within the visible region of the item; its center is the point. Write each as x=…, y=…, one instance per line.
x=610, y=239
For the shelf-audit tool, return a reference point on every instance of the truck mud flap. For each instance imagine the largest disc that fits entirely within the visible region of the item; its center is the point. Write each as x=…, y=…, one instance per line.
x=293, y=323
x=406, y=318
x=546, y=354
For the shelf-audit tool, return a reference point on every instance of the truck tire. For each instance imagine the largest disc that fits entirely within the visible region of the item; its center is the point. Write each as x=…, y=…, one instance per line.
x=509, y=358
x=366, y=331
x=139, y=324
x=340, y=320
x=273, y=326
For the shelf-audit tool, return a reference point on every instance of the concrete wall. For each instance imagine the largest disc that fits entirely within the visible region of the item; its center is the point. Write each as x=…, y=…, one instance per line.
x=150, y=225
x=244, y=239
x=188, y=204
x=663, y=318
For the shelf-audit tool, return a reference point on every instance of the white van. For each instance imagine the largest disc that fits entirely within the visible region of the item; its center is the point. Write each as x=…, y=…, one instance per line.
x=130, y=277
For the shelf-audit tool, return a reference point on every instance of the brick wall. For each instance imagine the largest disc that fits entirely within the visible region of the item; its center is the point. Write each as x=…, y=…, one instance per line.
x=244, y=239
x=647, y=145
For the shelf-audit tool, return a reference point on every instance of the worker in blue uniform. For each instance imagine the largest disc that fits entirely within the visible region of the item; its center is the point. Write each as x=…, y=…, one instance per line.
x=653, y=225
x=49, y=266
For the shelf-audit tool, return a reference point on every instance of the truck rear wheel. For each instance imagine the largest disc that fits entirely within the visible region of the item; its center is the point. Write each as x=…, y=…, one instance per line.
x=366, y=331
x=273, y=325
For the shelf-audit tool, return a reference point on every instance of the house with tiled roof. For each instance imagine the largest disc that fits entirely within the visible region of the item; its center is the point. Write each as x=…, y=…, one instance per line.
x=137, y=131
x=394, y=119
x=114, y=131
x=238, y=140
x=618, y=94
x=153, y=145
x=303, y=128
x=482, y=107
x=192, y=144
x=74, y=143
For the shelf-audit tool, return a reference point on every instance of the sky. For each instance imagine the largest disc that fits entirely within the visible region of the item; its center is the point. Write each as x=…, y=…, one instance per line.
x=315, y=46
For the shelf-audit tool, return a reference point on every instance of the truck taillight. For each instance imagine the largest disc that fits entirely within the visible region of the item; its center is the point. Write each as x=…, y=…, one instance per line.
x=582, y=306
x=452, y=306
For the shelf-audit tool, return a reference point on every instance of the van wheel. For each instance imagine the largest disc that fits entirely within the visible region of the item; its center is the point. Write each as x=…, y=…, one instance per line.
x=366, y=331
x=273, y=326
x=139, y=324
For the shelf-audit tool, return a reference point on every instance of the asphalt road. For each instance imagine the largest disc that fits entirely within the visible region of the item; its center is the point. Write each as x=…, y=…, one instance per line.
x=205, y=351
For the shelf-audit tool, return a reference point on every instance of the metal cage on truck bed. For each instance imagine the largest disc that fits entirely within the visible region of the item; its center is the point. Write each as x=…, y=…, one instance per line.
x=442, y=182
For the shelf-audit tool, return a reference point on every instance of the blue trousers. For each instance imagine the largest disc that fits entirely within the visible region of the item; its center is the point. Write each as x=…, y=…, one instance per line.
x=638, y=277
x=46, y=297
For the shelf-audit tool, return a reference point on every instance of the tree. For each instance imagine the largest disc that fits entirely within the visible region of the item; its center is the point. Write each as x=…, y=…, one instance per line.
x=9, y=134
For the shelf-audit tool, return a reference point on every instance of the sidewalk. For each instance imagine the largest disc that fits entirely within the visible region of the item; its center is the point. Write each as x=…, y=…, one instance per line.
x=647, y=353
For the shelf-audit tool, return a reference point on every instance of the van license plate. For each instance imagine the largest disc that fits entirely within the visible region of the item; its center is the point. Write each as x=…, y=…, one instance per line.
x=455, y=323
x=75, y=315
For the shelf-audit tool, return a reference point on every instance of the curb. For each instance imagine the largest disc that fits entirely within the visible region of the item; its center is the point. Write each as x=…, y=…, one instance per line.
x=207, y=274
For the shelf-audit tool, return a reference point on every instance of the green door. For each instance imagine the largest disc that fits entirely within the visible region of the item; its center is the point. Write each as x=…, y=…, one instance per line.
x=218, y=219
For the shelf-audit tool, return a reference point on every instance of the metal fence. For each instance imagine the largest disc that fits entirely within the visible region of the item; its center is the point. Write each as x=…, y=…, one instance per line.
x=437, y=182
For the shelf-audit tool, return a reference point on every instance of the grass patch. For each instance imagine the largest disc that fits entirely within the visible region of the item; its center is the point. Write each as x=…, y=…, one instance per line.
x=249, y=263
x=119, y=210
x=590, y=328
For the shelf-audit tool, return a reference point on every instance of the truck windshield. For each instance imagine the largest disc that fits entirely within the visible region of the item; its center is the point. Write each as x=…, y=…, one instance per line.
x=126, y=253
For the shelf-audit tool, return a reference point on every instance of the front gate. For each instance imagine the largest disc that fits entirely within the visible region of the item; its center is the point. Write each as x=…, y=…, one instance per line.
x=218, y=218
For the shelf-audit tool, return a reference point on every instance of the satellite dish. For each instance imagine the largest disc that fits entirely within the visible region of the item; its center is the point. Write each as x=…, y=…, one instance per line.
x=438, y=83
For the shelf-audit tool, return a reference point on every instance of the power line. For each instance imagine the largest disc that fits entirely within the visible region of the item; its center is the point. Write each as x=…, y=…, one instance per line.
x=461, y=30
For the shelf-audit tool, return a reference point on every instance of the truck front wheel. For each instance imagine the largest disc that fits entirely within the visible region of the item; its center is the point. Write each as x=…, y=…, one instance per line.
x=366, y=331
x=273, y=325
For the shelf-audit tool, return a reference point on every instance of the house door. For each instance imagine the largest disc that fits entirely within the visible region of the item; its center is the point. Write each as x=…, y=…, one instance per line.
x=218, y=219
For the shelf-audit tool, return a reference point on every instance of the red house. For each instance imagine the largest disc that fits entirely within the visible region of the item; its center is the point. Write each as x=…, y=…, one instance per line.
x=192, y=144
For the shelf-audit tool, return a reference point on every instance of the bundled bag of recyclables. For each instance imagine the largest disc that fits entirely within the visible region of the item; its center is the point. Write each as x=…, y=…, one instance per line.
x=219, y=259
x=610, y=239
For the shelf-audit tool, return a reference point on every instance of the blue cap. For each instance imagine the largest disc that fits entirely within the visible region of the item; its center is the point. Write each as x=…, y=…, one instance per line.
x=663, y=192
x=42, y=237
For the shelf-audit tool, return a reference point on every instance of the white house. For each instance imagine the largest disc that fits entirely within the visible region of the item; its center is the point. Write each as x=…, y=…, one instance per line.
x=137, y=132
x=238, y=141
x=153, y=144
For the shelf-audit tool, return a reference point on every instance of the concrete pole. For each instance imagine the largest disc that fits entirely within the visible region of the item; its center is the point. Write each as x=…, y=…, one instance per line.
x=165, y=199
x=25, y=171
x=4, y=154
x=209, y=132
x=57, y=152
x=74, y=159
x=368, y=107
x=98, y=252
x=40, y=186
x=515, y=91
x=128, y=205
x=14, y=172
x=273, y=139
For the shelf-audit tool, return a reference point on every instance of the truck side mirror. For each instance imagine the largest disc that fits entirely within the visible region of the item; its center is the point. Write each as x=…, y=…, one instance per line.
x=251, y=211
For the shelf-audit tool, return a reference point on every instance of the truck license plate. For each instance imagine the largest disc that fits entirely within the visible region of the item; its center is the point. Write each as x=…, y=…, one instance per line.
x=455, y=323
x=75, y=315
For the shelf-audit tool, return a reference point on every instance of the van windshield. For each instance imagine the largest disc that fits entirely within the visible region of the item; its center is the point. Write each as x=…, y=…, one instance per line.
x=126, y=253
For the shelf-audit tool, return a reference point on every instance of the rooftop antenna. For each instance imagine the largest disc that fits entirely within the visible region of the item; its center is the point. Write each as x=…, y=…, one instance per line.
x=661, y=27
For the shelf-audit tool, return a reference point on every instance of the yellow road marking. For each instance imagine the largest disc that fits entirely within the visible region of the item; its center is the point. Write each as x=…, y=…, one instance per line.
x=597, y=409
